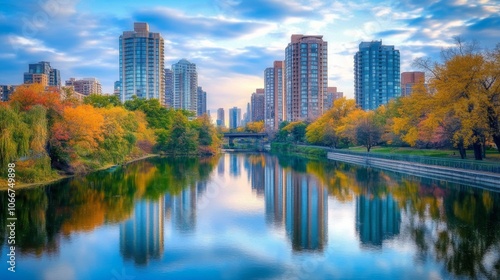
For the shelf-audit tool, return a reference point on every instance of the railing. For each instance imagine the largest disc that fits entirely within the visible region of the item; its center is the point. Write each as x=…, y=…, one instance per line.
x=448, y=162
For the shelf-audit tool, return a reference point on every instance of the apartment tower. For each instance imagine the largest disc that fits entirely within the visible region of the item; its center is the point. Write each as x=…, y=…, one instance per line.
x=274, y=90
x=306, y=76
x=141, y=64
x=376, y=75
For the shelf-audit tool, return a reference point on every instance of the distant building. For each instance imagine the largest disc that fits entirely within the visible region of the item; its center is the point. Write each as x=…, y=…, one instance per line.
x=185, y=91
x=202, y=101
x=141, y=64
x=6, y=91
x=257, y=105
x=169, y=88
x=116, y=89
x=86, y=86
x=274, y=90
x=408, y=79
x=221, y=121
x=42, y=73
x=306, y=71
x=376, y=75
x=331, y=95
x=234, y=117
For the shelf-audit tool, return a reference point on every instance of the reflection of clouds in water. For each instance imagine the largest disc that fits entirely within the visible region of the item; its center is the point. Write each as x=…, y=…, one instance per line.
x=63, y=271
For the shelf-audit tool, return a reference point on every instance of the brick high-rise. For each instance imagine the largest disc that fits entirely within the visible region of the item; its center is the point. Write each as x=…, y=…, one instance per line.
x=306, y=68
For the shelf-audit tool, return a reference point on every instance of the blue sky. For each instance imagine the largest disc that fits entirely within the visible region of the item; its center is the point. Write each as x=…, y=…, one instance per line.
x=232, y=41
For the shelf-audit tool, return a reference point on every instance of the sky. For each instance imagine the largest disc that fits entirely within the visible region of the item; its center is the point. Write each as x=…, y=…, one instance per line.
x=232, y=41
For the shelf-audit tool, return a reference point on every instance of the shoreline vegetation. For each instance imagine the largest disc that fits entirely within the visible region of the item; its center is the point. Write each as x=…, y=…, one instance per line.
x=51, y=135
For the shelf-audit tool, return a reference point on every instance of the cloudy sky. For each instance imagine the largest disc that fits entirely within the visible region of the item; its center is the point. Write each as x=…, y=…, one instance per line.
x=232, y=41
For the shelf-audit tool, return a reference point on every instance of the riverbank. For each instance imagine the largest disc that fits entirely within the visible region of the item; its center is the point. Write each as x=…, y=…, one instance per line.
x=4, y=186
x=456, y=175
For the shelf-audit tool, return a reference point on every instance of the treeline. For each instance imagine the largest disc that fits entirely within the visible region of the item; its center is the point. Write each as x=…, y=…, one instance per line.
x=458, y=107
x=42, y=132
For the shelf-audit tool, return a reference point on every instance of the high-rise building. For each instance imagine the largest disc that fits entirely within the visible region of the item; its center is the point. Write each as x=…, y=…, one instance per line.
x=141, y=64
x=274, y=90
x=185, y=80
x=169, y=88
x=257, y=105
x=376, y=74
x=331, y=95
x=306, y=76
x=202, y=101
x=85, y=86
x=42, y=73
x=408, y=79
x=221, y=121
x=234, y=117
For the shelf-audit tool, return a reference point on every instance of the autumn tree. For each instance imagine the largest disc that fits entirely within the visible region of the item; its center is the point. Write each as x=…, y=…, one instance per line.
x=466, y=90
x=368, y=131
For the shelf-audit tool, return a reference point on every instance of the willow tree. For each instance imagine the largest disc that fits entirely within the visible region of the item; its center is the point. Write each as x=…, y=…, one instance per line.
x=14, y=136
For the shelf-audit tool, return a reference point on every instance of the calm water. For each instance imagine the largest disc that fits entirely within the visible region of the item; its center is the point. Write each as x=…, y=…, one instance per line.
x=253, y=216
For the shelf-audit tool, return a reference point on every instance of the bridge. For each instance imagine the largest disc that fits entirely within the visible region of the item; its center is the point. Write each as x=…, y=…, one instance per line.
x=232, y=135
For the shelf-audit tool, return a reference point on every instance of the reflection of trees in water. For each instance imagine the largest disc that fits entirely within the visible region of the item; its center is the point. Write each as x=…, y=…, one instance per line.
x=84, y=203
x=457, y=225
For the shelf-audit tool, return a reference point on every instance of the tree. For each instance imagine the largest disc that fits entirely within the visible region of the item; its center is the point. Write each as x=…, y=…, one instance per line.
x=368, y=132
x=466, y=87
x=102, y=101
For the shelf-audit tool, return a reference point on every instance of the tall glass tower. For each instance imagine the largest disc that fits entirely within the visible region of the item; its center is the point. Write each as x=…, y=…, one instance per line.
x=306, y=76
x=376, y=75
x=185, y=81
x=142, y=64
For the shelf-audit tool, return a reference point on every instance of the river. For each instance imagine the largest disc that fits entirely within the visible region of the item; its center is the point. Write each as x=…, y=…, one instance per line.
x=252, y=216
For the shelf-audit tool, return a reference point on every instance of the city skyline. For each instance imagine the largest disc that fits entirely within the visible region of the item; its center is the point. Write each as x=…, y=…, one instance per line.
x=232, y=42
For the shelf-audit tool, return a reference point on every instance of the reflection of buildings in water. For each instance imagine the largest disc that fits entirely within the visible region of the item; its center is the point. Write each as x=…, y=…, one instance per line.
x=274, y=196
x=184, y=209
x=234, y=165
x=201, y=187
x=257, y=178
x=220, y=166
x=301, y=203
x=141, y=237
x=377, y=219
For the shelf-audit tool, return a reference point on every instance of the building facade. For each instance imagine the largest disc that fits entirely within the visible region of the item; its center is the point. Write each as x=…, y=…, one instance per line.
x=141, y=64
x=169, y=88
x=185, y=86
x=376, y=75
x=257, y=105
x=202, y=102
x=42, y=73
x=221, y=120
x=331, y=95
x=234, y=117
x=306, y=77
x=86, y=86
x=409, y=79
x=274, y=91
x=116, y=89
x=6, y=91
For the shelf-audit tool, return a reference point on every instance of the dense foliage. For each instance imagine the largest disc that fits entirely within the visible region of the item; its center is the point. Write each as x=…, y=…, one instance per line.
x=41, y=131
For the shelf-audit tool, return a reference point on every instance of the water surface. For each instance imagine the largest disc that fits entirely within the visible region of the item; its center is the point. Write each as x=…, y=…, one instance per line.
x=253, y=216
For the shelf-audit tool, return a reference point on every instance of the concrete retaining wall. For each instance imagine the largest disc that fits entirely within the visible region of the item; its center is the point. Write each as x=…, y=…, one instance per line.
x=455, y=175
